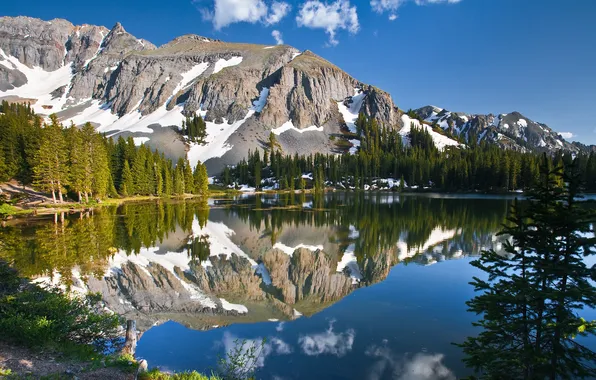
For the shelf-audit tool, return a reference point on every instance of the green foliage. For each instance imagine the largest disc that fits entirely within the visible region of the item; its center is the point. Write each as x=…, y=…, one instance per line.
x=241, y=361
x=57, y=159
x=7, y=210
x=38, y=317
x=531, y=299
x=156, y=374
x=195, y=128
x=477, y=167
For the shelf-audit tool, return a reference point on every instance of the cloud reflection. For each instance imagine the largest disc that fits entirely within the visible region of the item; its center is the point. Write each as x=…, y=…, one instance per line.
x=420, y=366
x=328, y=342
x=248, y=347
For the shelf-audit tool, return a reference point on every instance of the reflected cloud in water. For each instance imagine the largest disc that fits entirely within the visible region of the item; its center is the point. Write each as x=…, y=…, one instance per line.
x=328, y=342
x=254, y=347
x=420, y=366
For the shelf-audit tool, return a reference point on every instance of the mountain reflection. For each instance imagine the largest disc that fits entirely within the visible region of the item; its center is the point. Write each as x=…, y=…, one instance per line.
x=247, y=259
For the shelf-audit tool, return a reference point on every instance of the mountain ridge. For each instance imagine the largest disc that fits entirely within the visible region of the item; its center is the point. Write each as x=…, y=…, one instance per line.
x=127, y=86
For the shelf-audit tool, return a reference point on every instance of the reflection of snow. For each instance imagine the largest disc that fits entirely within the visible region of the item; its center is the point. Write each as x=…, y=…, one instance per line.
x=290, y=250
x=438, y=235
x=170, y=260
x=349, y=261
x=406, y=367
x=219, y=240
x=328, y=342
x=233, y=307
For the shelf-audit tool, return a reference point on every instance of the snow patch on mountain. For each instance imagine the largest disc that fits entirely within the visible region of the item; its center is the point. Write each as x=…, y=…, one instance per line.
x=216, y=140
x=260, y=103
x=288, y=125
x=40, y=84
x=441, y=142
x=223, y=63
x=350, y=115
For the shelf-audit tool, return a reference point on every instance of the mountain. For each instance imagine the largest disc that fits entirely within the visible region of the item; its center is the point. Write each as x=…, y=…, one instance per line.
x=127, y=86
x=509, y=131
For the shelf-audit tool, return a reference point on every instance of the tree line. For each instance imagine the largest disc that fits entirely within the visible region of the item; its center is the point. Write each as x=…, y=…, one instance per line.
x=83, y=164
x=382, y=154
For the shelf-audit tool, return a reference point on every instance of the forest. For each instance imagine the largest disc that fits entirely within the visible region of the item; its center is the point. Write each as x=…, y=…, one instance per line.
x=382, y=154
x=83, y=165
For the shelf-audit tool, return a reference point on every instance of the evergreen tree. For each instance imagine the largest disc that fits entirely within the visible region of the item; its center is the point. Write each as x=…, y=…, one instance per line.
x=529, y=303
x=51, y=172
x=127, y=183
x=201, y=180
x=189, y=186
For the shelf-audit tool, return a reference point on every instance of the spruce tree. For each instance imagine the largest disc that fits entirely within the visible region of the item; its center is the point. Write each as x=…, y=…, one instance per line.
x=127, y=183
x=51, y=172
x=201, y=180
x=531, y=299
x=188, y=178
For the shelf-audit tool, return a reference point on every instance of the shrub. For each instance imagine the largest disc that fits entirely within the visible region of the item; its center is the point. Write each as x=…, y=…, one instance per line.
x=40, y=317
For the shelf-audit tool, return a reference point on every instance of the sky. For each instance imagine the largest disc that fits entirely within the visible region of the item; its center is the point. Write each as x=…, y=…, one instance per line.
x=537, y=57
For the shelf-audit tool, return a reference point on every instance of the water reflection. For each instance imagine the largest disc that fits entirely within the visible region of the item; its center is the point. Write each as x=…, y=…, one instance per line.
x=249, y=259
x=420, y=366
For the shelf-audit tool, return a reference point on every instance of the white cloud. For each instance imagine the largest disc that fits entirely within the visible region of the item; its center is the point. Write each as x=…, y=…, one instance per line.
x=278, y=37
x=331, y=17
x=227, y=12
x=328, y=342
x=279, y=10
x=567, y=135
x=391, y=6
x=406, y=367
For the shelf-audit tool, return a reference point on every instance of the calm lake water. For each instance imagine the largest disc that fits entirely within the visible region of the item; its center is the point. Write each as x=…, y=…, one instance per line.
x=342, y=286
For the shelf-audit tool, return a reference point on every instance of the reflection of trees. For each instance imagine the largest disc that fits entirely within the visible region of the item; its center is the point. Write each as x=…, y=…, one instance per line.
x=198, y=249
x=87, y=241
x=381, y=220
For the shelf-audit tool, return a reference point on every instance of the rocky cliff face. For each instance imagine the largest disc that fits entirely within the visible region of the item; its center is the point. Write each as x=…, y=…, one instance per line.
x=124, y=84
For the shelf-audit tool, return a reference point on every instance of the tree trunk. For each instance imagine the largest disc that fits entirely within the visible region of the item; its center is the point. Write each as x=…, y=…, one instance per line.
x=86, y=197
x=130, y=344
x=80, y=197
x=54, y=196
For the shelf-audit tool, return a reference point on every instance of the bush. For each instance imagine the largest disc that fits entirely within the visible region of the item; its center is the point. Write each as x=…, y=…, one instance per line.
x=156, y=374
x=44, y=317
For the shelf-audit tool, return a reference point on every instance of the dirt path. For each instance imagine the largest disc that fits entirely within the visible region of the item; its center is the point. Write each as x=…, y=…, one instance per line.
x=29, y=364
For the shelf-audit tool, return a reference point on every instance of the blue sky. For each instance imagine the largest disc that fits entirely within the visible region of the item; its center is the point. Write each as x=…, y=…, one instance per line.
x=537, y=57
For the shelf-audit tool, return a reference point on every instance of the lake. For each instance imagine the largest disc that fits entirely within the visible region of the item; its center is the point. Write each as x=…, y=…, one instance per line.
x=340, y=286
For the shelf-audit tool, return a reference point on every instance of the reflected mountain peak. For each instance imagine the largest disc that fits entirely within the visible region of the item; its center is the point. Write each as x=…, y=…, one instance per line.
x=247, y=259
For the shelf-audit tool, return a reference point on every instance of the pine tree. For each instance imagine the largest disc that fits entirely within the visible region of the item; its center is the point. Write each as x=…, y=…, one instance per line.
x=127, y=183
x=201, y=180
x=51, y=161
x=100, y=167
x=179, y=185
x=529, y=303
x=189, y=186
